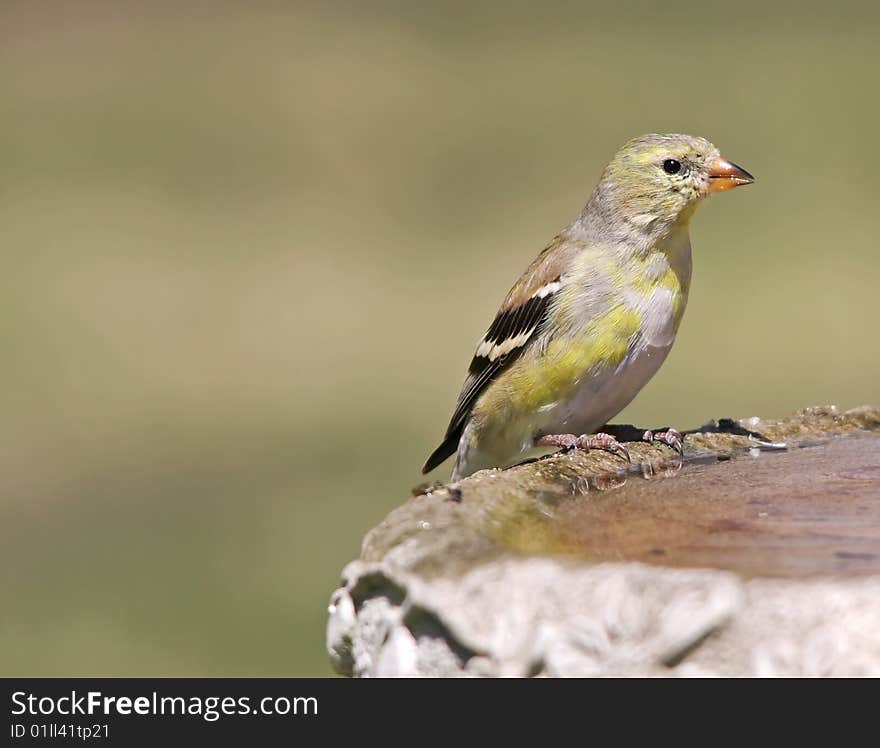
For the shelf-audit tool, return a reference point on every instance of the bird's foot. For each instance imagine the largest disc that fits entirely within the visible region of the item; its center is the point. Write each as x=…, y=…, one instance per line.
x=585, y=442
x=669, y=437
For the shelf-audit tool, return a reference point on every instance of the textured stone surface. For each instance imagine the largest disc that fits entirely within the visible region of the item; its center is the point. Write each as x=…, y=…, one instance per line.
x=565, y=566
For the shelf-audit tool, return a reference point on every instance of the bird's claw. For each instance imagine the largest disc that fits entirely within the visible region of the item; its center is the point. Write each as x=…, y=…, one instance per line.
x=585, y=442
x=669, y=437
x=605, y=442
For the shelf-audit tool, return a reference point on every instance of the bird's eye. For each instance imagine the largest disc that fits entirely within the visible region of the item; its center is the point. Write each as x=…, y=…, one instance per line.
x=671, y=166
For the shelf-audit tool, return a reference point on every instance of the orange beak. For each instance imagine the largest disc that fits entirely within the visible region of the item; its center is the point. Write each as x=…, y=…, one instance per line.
x=724, y=175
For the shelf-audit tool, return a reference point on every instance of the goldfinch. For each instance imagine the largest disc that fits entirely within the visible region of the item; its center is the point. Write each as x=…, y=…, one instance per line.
x=593, y=317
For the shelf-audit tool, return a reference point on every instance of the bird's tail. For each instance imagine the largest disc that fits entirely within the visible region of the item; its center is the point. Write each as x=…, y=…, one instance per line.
x=446, y=449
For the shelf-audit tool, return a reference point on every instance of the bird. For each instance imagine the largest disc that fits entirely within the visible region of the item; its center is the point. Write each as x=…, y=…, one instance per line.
x=593, y=317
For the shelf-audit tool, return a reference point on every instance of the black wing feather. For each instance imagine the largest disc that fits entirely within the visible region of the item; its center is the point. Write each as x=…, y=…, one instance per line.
x=510, y=323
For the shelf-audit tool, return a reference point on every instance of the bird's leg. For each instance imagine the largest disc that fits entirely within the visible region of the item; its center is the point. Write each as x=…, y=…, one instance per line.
x=605, y=442
x=564, y=441
x=669, y=437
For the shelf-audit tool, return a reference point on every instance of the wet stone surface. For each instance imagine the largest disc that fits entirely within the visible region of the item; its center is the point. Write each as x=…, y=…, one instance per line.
x=758, y=554
x=811, y=510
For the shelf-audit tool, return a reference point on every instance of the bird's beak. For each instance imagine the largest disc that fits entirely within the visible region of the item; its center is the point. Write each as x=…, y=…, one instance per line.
x=724, y=175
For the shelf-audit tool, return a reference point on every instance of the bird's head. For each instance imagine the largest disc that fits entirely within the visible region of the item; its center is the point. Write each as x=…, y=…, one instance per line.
x=658, y=180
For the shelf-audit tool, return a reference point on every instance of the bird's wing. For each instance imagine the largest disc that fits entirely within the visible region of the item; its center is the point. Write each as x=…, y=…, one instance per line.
x=521, y=314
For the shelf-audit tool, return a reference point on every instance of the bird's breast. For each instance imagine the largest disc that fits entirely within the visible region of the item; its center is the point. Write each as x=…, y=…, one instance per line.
x=660, y=317
x=607, y=388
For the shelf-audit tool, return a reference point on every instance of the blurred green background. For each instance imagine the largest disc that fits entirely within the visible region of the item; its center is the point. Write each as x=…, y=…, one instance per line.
x=248, y=248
